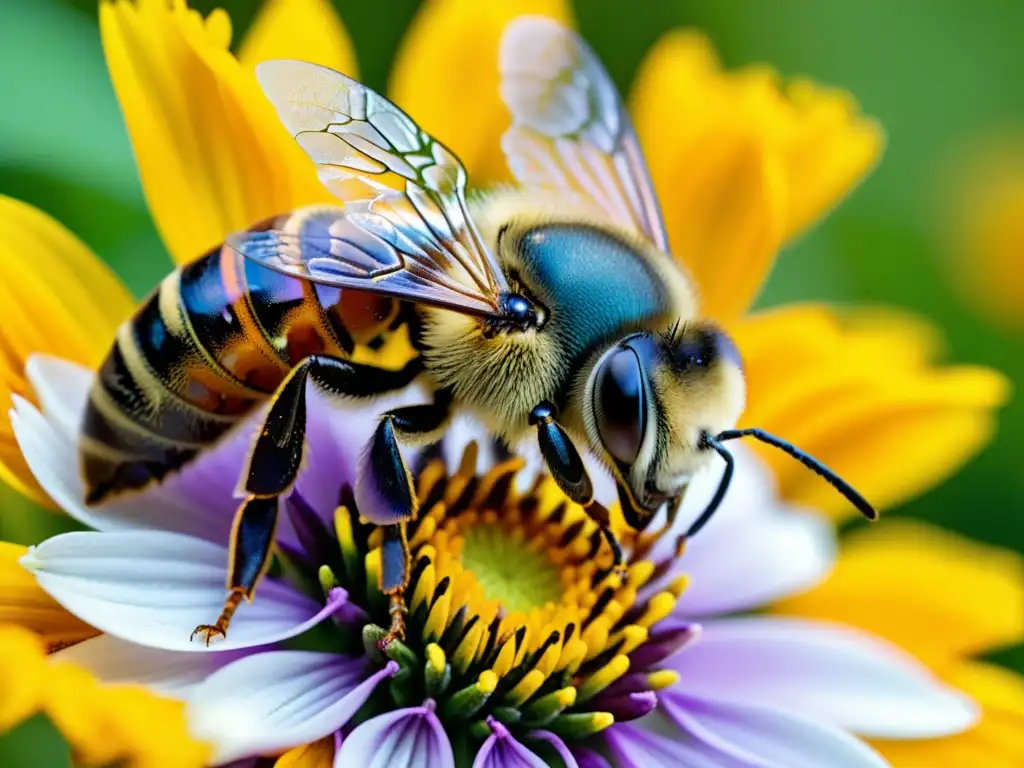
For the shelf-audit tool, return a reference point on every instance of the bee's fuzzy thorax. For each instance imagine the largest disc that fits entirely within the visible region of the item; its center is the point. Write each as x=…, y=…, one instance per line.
x=501, y=377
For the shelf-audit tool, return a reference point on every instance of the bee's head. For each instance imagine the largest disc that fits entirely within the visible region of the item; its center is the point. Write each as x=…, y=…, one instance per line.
x=661, y=406
x=650, y=401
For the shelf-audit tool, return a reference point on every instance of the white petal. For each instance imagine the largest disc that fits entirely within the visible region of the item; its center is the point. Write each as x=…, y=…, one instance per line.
x=405, y=738
x=752, y=495
x=172, y=673
x=837, y=674
x=755, y=549
x=767, y=737
x=771, y=557
x=638, y=745
x=153, y=588
x=269, y=702
x=62, y=388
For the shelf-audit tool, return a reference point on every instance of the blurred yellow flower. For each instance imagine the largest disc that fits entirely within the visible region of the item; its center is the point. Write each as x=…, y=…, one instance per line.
x=985, y=202
x=58, y=298
x=860, y=389
x=104, y=724
x=946, y=600
x=740, y=164
x=212, y=155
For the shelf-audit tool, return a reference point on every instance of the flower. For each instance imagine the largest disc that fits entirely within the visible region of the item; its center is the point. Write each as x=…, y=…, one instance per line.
x=984, y=202
x=212, y=139
x=947, y=600
x=522, y=642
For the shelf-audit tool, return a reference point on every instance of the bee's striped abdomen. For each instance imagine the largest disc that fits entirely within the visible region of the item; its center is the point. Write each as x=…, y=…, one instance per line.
x=211, y=343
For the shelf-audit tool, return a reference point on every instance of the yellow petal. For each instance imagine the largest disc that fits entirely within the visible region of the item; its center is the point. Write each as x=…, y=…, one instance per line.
x=105, y=725
x=58, y=299
x=319, y=754
x=22, y=674
x=986, y=215
x=446, y=76
x=739, y=163
x=860, y=393
x=829, y=148
x=121, y=724
x=940, y=596
x=309, y=30
x=996, y=742
x=25, y=603
x=212, y=155
x=720, y=180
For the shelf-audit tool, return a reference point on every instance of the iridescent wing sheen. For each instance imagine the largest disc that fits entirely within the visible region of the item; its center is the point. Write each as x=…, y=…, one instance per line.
x=570, y=132
x=404, y=229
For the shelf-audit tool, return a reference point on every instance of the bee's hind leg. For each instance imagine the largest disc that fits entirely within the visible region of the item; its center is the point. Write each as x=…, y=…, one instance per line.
x=570, y=474
x=274, y=464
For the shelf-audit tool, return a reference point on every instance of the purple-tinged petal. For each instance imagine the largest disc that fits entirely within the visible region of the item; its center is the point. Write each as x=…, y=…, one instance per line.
x=335, y=439
x=153, y=588
x=631, y=682
x=316, y=543
x=501, y=750
x=172, y=673
x=270, y=702
x=559, y=746
x=347, y=612
x=767, y=737
x=635, y=746
x=666, y=638
x=756, y=549
x=776, y=555
x=588, y=758
x=837, y=674
x=626, y=706
x=405, y=738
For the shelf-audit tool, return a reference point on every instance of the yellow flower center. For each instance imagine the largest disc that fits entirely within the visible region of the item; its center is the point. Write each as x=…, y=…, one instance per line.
x=507, y=569
x=514, y=611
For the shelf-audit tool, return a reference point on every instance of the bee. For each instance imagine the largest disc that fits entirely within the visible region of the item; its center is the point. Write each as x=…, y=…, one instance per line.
x=551, y=309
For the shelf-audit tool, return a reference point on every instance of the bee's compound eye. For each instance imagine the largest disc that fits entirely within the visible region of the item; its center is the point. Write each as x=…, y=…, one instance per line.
x=620, y=406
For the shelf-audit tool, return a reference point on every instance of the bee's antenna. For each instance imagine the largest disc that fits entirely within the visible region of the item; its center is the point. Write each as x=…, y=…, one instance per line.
x=723, y=486
x=862, y=504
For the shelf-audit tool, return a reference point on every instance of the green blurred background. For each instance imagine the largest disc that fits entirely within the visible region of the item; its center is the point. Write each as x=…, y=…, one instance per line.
x=939, y=74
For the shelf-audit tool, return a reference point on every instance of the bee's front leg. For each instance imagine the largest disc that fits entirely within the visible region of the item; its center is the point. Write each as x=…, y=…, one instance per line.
x=567, y=468
x=274, y=463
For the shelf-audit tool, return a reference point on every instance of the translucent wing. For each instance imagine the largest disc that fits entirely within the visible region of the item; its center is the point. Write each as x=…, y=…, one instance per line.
x=404, y=229
x=570, y=131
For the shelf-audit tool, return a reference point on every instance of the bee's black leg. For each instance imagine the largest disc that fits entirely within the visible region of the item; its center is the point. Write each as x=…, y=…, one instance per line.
x=274, y=464
x=386, y=496
x=569, y=472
